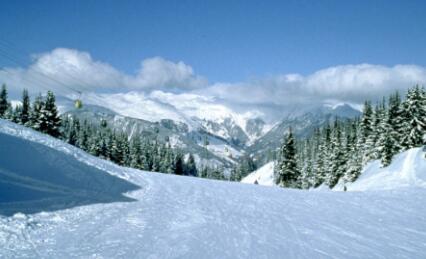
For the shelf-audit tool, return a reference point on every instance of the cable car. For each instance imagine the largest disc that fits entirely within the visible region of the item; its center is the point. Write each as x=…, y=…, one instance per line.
x=78, y=104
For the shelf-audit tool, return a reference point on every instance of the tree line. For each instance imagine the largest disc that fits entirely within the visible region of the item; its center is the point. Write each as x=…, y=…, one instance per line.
x=339, y=150
x=101, y=140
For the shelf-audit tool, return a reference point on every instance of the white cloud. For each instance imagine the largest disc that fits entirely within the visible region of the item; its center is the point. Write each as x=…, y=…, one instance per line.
x=62, y=69
x=66, y=68
x=349, y=83
x=158, y=73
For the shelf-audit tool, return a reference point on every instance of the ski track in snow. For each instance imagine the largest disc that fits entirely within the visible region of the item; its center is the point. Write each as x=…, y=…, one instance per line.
x=185, y=217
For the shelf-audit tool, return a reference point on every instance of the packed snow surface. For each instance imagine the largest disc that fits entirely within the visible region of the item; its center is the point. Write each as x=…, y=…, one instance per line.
x=263, y=175
x=185, y=217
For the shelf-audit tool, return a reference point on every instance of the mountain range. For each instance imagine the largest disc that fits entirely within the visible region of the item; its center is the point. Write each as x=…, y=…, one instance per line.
x=216, y=133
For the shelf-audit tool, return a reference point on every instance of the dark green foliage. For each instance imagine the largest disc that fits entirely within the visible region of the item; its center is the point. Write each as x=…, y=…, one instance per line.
x=49, y=121
x=3, y=101
x=24, y=115
x=178, y=164
x=191, y=168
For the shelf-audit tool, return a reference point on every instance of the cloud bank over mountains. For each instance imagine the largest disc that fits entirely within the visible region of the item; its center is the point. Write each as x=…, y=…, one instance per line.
x=62, y=69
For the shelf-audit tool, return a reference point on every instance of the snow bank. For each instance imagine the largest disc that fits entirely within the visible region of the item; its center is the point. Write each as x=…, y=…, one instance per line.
x=263, y=175
x=408, y=169
x=35, y=177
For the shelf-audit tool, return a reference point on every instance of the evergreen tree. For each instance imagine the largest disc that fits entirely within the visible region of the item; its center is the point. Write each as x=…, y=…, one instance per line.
x=395, y=118
x=178, y=164
x=191, y=168
x=49, y=119
x=135, y=153
x=387, y=150
x=337, y=165
x=26, y=108
x=36, y=112
x=365, y=131
x=415, y=112
x=9, y=114
x=3, y=101
x=287, y=172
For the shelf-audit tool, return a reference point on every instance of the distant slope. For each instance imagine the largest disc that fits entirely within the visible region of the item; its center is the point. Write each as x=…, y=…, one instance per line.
x=303, y=125
x=187, y=217
x=408, y=169
x=262, y=176
x=178, y=134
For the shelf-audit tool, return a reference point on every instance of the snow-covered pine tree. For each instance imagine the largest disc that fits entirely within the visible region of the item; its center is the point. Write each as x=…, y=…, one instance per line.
x=387, y=148
x=24, y=116
x=49, y=120
x=36, y=112
x=178, y=161
x=9, y=113
x=415, y=116
x=191, y=168
x=387, y=144
x=395, y=117
x=354, y=159
x=3, y=100
x=365, y=131
x=83, y=136
x=116, y=154
x=337, y=157
x=370, y=148
x=287, y=172
x=71, y=133
x=135, y=153
x=318, y=159
x=16, y=114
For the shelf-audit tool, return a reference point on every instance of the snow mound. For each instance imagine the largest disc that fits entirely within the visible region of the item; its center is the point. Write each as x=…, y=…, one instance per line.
x=408, y=169
x=263, y=175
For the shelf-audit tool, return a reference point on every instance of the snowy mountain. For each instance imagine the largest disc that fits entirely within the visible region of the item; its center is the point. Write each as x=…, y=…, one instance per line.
x=302, y=125
x=220, y=151
x=173, y=216
x=194, y=110
x=189, y=119
x=408, y=169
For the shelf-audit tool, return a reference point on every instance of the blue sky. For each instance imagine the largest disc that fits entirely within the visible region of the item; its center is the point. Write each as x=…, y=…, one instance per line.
x=224, y=41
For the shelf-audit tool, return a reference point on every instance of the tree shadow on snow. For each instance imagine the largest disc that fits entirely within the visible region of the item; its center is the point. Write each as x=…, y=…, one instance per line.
x=35, y=178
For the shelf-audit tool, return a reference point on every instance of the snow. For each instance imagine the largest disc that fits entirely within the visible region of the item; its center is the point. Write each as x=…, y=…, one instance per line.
x=264, y=175
x=408, y=169
x=186, y=217
x=188, y=108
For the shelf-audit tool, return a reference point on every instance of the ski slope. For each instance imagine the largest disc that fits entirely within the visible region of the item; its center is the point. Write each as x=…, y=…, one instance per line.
x=408, y=169
x=184, y=217
x=263, y=176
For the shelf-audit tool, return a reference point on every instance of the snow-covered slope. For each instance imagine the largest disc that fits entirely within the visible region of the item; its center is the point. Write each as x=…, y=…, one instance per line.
x=186, y=217
x=263, y=175
x=194, y=110
x=408, y=169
